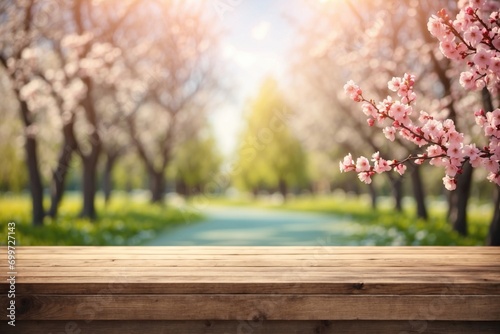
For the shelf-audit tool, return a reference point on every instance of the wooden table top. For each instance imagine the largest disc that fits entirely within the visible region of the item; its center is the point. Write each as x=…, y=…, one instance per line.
x=290, y=270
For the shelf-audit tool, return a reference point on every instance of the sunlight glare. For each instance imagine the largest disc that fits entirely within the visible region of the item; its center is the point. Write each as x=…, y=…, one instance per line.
x=260, y=31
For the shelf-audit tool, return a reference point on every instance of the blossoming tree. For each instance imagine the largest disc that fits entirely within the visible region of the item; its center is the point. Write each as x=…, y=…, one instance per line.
x=389, y=38
x=472, y=38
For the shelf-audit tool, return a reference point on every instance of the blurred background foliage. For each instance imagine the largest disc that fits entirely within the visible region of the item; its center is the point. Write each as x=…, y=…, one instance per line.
x=108, y=128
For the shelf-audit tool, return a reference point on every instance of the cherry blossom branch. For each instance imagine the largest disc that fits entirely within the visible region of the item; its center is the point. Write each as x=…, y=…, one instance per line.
x=468, y=36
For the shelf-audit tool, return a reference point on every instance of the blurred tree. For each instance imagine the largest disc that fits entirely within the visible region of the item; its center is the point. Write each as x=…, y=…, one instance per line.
x=270, y=156
x=389, y=38
x=53, y=62
x=83, y=95
x=17, y=32
x=196, y=162
x=105, y=24
x=13, y=175
x=180, y=70
x=128, y=174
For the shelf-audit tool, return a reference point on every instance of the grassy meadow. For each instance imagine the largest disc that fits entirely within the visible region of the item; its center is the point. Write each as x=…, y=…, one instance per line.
x=125, y=221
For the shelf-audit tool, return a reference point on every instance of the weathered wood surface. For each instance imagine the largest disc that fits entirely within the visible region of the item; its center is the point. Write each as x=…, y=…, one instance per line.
x=257, y=326
x=456, y=289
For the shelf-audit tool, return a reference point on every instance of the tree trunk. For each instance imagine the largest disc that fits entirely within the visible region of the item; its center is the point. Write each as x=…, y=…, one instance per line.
x=283, y=189
x=157, y=186
x=397, y=192
x=35, y=179
x=36, y=187
x=181, y=188
x=89, y=185
x=494, y=232
x=107, y=177
x=59, y=179
x=373, y=195
x=418, y=192
x=62, y=169
x=459, y=199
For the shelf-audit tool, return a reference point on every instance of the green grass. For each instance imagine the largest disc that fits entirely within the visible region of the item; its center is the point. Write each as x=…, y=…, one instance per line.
x=384, y=226
x=125, y=221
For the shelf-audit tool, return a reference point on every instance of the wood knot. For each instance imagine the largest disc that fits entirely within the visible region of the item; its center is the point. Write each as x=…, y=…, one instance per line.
x=26, y=305
x=259, y=317
x=324, y=325
x=208, y=323
x=358, y=286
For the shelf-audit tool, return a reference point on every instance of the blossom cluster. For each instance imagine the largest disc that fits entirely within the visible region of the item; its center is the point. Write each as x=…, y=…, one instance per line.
x=444, y=145
x=472, y=37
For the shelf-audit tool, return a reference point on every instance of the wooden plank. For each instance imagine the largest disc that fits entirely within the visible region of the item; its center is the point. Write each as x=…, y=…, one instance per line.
x=122, y=285
x=216, y=276
x=257, y=262
x=257, y=306
x=254, y=327
x=238, y=271
x=365, y=279
x=249, y=269
x=260, y=249
x=355, y=257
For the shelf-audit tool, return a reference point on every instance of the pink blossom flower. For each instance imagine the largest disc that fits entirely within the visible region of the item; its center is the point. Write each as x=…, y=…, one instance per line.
x=494, y=178
x=495, y=66
x=490, y=165
x=362, y=165
x=477, y=3
x=468, y=80
x=482, y=58
x=449, y=125
x=381, y=166
x=463, y=21
x=451, y=169
x=494, y=118
x=494, y=148
x=421, y=159
x=409, y=79
x=436, y=27
x=454, y=137
x=398, y=111
x=462, y=49
x=369, y=109
x=403, y=90
x=394, y=84
x=449, y=183
x=353, y=91
x=424, y=117
x=347, y=164
x=365, y=177
x=455, y=150
x=400, y=168
x=471, y=151
x=489, y=130
x=480, y=83
x=409, y=98
x=434, y=151
x=480, y=117
x=433, y=129
x=473, y=35
x=389, y=133
x=449, y=49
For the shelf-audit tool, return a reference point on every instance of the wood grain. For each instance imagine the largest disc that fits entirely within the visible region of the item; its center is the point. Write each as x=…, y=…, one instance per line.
x=250, y=306
x=255, y=327
x=280, y=289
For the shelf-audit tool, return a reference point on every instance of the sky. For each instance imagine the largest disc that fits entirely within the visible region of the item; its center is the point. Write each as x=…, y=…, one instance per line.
x=257, y=42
